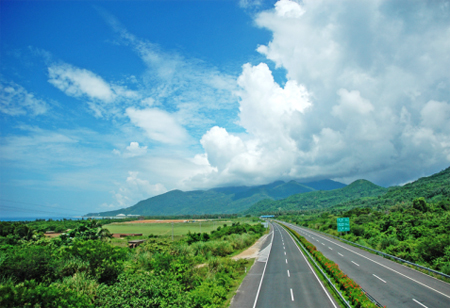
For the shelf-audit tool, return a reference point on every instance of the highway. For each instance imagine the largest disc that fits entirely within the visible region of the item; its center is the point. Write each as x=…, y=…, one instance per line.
x=288, y=280
x=390, y=283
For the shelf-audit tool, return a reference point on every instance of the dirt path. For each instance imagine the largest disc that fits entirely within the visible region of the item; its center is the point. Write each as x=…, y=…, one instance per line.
x=252, y=251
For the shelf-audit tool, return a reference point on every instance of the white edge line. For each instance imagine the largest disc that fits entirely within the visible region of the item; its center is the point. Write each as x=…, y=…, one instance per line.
x=385, y=266
x=419, y=303
x=312, y=270
x=264, y=271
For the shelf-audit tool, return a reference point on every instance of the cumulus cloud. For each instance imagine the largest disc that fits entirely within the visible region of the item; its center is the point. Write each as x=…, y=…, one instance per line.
x=159, y=125
x=15, y=100
x=133, y=150
x=366, y=96
x=135, y=189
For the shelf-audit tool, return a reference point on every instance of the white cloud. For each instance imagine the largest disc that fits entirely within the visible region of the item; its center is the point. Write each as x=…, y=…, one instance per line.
x=436, y=115
x=221, y=147
x=103, y=98
x=78, y=82
x=135, y=150
x=16, y=100
x=159, y=125
x=289, y=9
x=249, y=3
x=351, y=104
x=135, y=189
x=366, y=96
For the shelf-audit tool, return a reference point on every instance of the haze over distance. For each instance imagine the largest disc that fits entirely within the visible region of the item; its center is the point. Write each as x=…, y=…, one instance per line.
x=106, y=103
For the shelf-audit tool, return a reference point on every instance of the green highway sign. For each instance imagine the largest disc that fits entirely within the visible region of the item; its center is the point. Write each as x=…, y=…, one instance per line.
x=343, y=224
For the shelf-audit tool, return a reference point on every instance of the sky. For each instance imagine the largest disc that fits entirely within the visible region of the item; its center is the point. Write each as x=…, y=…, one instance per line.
x=106, y=103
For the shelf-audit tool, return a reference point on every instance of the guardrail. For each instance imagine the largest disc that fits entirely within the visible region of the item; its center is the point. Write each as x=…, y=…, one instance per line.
x=378, y=252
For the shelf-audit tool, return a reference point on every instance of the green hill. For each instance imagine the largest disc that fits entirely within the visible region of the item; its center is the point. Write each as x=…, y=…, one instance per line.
x=223, y=200
x=433, y=188
x=319, y=199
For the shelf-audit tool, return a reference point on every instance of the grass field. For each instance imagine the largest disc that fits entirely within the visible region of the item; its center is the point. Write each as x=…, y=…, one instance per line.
x=165, y=229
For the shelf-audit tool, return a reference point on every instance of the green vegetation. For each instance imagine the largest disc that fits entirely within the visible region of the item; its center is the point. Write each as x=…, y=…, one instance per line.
x=83, y=269
x=360, y=190
x=165, y=229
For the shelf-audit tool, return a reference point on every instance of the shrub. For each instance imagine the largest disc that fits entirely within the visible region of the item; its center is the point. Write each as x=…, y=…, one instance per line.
x=38, y=295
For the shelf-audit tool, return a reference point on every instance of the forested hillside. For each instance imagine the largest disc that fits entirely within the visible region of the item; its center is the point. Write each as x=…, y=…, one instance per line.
x=360, y=189
x=218, y=200
x=433, y=188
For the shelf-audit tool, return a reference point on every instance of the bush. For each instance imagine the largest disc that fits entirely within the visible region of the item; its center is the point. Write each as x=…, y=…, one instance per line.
x=38, y=295
x=105, y=261
x=143, y=290
x=29, y=262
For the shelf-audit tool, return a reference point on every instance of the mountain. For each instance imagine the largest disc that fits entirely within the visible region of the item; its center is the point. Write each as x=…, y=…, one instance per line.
x=433, y=188
x=222, y=200
x=319, y=199
x=326, y=185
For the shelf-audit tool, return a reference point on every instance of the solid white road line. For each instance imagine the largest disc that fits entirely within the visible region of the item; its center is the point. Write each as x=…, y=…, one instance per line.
x=289, y=274
x=355, y=263
x=310, y=267
x=378, y=277
x=292, y=295
x=387, y=267
x=340, y=254
x=264, y=271
x=416, y=302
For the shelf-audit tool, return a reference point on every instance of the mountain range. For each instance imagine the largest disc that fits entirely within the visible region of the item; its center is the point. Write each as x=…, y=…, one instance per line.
x=223, y=200
x=279, y=197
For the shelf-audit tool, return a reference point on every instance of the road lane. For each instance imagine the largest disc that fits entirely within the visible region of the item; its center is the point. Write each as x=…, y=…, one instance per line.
x=289, y=281
x=390, y=283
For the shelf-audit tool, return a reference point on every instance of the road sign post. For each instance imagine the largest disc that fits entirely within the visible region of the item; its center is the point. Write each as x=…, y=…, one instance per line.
x=343, y=224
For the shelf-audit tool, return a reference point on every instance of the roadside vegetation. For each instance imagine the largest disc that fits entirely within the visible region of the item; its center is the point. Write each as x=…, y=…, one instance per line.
x=81, y=268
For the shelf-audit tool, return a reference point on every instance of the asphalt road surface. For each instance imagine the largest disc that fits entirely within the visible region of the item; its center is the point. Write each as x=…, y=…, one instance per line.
x=390, y=283
x=288, y=279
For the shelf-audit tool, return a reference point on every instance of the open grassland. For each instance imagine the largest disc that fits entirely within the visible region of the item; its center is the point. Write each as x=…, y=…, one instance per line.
x=165, y=229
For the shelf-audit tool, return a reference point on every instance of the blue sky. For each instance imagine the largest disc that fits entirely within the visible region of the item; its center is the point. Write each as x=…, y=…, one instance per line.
x=105, y=103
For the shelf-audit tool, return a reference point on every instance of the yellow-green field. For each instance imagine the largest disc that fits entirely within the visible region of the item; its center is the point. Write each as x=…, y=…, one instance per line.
x=165, y=229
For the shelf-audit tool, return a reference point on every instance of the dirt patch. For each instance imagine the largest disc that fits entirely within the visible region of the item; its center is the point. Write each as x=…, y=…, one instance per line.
x=253, y=251
x=157, y=221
